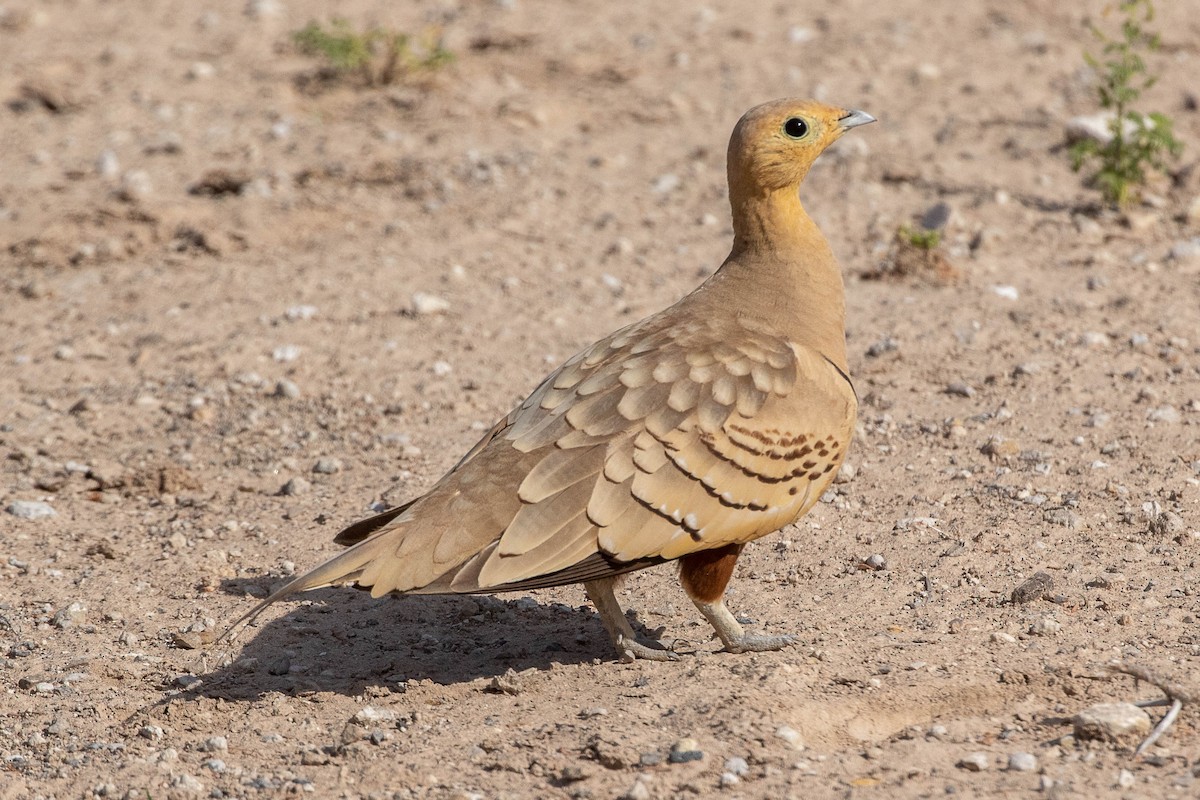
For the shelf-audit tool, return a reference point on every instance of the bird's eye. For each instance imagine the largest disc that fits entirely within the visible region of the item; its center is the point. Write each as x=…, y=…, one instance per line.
x=795, y=128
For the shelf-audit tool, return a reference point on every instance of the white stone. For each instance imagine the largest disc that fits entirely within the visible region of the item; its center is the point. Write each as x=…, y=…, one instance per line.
x=30, y=509
x=1111, y=721
x=975, y=762
x=424, y=304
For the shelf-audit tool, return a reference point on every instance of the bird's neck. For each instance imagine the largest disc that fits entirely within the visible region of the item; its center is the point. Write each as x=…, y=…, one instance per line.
x=785, y=262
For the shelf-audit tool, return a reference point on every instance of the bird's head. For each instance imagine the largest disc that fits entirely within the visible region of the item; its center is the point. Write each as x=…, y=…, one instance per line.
x=774, y=144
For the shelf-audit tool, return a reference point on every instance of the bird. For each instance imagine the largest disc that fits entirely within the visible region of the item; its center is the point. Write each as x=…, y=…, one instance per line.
x=682, y=437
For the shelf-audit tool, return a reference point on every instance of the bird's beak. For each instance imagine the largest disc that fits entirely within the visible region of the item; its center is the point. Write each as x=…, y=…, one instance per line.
x=853, y=118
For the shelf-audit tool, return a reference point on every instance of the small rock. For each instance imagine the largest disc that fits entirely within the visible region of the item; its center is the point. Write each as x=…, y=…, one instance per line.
x=1187, y=250
x=667, y=183
x=736, y=765
x=729, y=779
x=1062, y=516
x=876, y=562
x=1111, y=721
x=1168, y=523
x=286, y=388
x=187, y=681
x=936, y=217
x=327, y=466
x=285, y=353
x=135, y=186
x=151, y=732
x=685, y=750
x=975, y=762
x=442, y=368
x=1034, y=588
x=885, y=345
x=1022, y=762
x=1001, y=637
x=639, y=791
x=220, y=181
x=300, y=313
x=30, y=509
x=294, y=487
x=187, y=640
x=791, y=736
x=107, y=165
x=424, y=304
x=69, y=615
x=187, y=783
x=1192, y=214
x=201, y=70
x=960, y=389
x=1007, y=292
x=1000, y=448
x=373, y=715
x=1126, y=779
x=1097, y=127
x=215, y=744
x=508, y=683
x=261, y=9
x=1166, y=414
x=1046, y=626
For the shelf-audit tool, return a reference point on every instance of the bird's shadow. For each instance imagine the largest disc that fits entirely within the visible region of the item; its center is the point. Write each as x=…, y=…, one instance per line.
x=336, y=640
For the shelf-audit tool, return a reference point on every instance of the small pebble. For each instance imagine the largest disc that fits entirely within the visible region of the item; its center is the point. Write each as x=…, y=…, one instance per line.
x=215, y=744
x=736, y=765
x=1022, y=762
x=286, y=388
x=425, y=304
x=201, y=70
x=371, y=715
x=685, y=750
x=790, y=735
x=1111, y=721
x=327, y=466
x=299, y=313
x=975, y=762
x=30, y=509
x=151, y=732
x=188, y=783
x=294, y=487
x=1034, y=588
x=1046, y=626
x=639, y=791
x=960, y=389
x=876, y=562
x=286, y=353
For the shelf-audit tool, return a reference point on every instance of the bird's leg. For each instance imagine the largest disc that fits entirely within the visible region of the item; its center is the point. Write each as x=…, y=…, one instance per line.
x=623, y=638
x=704, y=576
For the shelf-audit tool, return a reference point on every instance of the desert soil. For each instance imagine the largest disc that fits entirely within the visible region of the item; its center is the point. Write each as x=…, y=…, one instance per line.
x=204, y=374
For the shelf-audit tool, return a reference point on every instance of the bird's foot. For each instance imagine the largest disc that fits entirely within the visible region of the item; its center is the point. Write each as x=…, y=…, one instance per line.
x=630, y=650
x=759, y=643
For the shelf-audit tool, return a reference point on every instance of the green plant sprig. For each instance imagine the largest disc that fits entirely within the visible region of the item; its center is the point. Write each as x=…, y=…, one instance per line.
x=1139, y=141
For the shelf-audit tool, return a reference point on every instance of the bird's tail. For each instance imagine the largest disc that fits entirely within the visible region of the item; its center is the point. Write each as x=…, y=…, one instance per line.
x=343, y=568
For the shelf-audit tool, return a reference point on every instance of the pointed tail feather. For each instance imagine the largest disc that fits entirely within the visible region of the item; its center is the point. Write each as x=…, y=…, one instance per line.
x=343, y=568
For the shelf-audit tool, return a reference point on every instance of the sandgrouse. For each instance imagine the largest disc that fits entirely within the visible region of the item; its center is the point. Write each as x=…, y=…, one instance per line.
x=681, y=437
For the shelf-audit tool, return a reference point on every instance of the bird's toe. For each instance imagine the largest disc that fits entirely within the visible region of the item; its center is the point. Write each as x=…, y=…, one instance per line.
x=758, y=643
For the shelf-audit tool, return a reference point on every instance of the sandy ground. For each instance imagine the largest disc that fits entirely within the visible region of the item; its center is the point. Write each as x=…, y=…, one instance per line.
x=171, y=361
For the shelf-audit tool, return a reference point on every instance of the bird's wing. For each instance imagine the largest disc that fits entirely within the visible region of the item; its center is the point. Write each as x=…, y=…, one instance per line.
x=664, y=439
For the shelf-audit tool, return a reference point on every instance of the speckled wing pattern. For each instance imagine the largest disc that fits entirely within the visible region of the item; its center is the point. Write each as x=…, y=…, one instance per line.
x=666, y=438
